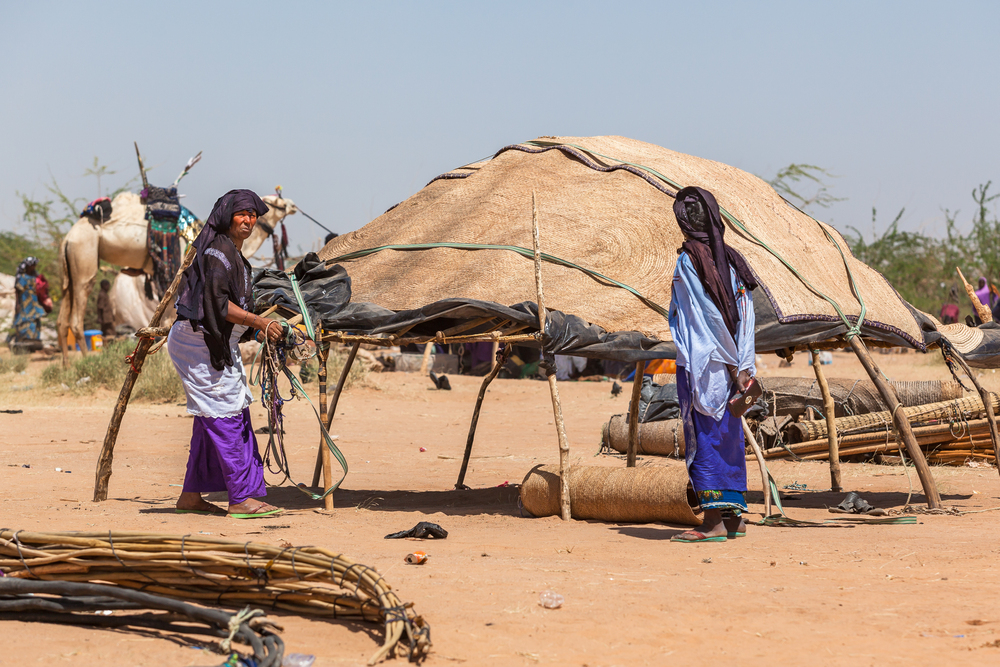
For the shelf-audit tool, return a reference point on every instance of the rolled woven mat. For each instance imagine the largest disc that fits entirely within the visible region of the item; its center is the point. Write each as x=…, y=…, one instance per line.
x=626, y=495
x=664, y=438
x=957, y=409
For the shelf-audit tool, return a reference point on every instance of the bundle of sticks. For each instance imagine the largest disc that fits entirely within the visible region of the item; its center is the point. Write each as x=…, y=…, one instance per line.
x=950, y=432
x=309, y=581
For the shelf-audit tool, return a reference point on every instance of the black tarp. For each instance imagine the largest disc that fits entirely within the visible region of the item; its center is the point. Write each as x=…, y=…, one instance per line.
x=327, y=293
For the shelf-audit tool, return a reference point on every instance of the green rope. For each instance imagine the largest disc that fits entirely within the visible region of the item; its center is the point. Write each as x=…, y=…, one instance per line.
x=852, y=329
x=530, y=254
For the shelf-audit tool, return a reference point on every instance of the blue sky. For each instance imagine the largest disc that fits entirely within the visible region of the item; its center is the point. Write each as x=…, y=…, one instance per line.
x=354, y=107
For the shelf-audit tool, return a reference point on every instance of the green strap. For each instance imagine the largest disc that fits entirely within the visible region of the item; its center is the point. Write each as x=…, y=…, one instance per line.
x=330, y=444
x=302, y=308
x=852, y=328
x=530, y=254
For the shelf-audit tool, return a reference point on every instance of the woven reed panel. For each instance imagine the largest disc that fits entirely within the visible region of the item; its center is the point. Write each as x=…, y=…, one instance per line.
x=614, y=223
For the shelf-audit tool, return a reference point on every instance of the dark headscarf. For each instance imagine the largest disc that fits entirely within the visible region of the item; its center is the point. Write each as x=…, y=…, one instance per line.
x=26, y=264
x=195, y=302
x=710, y=255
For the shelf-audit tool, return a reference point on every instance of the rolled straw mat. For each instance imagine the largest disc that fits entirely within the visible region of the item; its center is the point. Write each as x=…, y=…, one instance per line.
x=662, y=438
x=598, y=220
x=625, y=495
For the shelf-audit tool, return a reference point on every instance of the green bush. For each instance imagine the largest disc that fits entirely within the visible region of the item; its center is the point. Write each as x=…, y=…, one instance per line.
x=106, y=368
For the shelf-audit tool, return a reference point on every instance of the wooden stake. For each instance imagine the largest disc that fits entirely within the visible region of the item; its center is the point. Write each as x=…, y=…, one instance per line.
x=831, y=428
x=902, y=423
x=106, y=459
x=331, y=412
x=424, y=365
x=323, y=353
x=633, y=415
x=987, y=404
x=551, y=376
x=985, y=314
x=460, y=484
x=496, y=349
x=765, y=485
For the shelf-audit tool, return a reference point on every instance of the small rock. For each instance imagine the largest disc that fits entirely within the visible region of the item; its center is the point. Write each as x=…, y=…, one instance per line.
x=83, y=380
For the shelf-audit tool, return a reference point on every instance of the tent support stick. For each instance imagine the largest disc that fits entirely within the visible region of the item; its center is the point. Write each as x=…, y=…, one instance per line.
x=328, y=414
x=831, y=423
x=497, y=365
x=902, y=423
x=764, y=485
x=987, y=404
x=425, y=364
x=550, y=373
x=103, y=475
x=322, y=354
x=633, y=415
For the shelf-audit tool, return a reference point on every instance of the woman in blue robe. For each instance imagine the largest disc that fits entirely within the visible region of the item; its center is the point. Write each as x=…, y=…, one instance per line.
x=712, y=323
x=28, y=313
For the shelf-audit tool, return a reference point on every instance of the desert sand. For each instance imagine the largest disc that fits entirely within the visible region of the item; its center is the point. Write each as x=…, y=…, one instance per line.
x=867, y=595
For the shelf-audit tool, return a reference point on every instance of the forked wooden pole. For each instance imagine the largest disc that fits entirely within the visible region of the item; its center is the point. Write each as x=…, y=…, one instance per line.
x=902, y=423
x=106, y=459
x=331, y=412
x=764, y=484
x=984, y=312
x=633, y=415
x=831, y=422
x=497, y=365
x=551, y=375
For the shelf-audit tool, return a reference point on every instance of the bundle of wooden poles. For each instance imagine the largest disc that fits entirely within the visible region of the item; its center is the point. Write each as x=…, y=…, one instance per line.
x=950, y=432
x=309, y=581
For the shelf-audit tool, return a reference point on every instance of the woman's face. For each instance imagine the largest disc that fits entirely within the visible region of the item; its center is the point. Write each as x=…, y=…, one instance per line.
x=242, y=224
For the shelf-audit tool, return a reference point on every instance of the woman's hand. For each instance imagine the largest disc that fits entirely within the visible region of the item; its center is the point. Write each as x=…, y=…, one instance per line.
x=272, y=329
x=743, y=380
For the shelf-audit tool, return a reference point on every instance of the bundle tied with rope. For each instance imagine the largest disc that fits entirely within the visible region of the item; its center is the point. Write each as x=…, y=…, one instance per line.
x=308, y=581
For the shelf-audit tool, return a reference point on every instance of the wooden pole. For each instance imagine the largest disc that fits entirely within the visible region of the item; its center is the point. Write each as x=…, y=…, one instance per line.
x=496, y=350
x=323, y=353
x=987, y=404
x=425, y=364
x=550, y=373
x=633, y=415
x=985, y=314
x=332, y=410
x=765, y=485
x=902, y=423
x=831, y=428
x=460, y=484
x=106, y=459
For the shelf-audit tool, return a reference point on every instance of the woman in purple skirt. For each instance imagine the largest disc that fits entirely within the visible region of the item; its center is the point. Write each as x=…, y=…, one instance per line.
x=214, y=312
x=712, y=323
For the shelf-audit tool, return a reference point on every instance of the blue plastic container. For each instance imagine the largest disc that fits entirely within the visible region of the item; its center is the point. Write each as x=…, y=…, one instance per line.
x=89, y=336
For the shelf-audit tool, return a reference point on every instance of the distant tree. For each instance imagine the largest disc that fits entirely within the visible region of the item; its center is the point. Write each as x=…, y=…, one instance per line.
x=804, y=186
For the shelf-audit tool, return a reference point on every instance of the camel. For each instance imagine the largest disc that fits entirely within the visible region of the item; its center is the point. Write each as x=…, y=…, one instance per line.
x=122, y=241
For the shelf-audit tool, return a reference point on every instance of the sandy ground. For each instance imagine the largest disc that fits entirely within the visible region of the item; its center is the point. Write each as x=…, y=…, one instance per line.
x=869, y=595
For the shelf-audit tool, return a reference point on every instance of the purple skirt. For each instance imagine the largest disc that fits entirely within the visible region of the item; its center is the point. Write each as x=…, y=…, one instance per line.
x=224, y=457
x=715, y=453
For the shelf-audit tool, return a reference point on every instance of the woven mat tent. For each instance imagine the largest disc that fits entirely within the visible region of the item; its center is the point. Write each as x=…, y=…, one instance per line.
x=454, y=263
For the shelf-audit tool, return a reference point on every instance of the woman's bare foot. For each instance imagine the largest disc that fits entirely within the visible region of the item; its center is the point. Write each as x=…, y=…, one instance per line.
x=735, y=525
x=189, y=501
x=711, y=526
x=251, y=506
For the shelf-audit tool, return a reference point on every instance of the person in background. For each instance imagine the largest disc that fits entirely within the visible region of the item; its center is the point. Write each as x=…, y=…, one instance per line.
x=28, y=313
x=712, y=321
x=105, y=310
x=949, y=311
